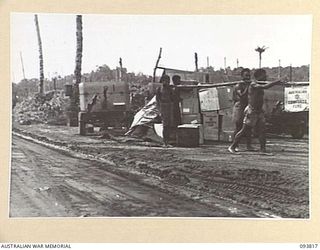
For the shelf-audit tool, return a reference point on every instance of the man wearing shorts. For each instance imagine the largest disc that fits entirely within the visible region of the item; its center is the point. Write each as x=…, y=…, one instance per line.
x=253, y=113
x=240, y=99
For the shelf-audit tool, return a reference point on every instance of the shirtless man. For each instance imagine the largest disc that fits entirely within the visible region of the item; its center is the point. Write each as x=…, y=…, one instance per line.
x=240, y=99
x=176, y=79
x=253, y=114
x=164, y=97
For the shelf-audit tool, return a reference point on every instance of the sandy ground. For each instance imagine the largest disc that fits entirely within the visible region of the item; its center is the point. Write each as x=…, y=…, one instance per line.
x=210, y=181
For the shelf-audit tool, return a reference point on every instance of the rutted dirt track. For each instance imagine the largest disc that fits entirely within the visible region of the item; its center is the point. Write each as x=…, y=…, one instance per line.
x=48, y=183
x=139, y=179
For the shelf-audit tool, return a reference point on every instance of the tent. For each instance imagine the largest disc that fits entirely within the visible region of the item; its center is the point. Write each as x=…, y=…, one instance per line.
x=147, y=122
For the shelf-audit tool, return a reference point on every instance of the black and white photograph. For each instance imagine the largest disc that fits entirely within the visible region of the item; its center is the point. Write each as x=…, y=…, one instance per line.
x=160, y=116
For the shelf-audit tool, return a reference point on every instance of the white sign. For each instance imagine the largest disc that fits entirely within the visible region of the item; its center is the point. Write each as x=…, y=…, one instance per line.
x=209, y=99
x=296, y=99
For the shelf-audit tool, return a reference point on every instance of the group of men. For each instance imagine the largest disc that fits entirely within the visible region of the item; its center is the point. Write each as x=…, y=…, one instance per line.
x=168, y=100
x=248, y=108
x=248, y=112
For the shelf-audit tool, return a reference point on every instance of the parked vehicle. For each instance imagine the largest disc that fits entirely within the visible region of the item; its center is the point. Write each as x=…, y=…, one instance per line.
x=104, y=104
x=287, y=109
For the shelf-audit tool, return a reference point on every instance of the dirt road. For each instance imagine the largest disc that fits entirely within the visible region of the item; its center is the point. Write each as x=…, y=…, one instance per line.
x=249, y=184
x=46, y=183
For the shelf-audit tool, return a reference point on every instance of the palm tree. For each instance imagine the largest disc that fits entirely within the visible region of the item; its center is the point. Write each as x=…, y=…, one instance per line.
x=41, y=90
x=74, y=105
x=260, y=50
x=77, y=71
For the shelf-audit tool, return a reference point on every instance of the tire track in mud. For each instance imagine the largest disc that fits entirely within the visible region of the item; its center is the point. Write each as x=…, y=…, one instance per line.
x=255, y=187
x=41, y=197
x=261, y=195
x=172, y=180
x=266, y=193
x=81, y=195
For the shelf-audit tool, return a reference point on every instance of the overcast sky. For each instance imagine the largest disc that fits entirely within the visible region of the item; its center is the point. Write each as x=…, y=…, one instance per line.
x=137, y=39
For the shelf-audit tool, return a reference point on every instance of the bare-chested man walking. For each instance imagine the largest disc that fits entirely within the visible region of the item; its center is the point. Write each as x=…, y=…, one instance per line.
x=240, y=99
x=254, y=115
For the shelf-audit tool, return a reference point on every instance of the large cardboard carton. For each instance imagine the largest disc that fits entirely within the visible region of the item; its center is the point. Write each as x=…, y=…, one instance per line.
x=209, y=100
x=190, y=101
x=214, y=99
x=211, y=126
x=227, y=120
x=225, y=97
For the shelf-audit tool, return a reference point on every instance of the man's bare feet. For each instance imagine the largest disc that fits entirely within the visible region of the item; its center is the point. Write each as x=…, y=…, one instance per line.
x=232, y=150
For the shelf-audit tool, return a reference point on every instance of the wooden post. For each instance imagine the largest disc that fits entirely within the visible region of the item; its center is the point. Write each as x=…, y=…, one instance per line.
x=196, y=61
x=120, y=63
x=120, y=73
x=157, y=63
x=279, y=69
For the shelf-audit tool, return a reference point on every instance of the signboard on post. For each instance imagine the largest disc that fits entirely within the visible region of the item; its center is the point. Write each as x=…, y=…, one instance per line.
x=214, y=99
x=209, y=100
x=296, y=99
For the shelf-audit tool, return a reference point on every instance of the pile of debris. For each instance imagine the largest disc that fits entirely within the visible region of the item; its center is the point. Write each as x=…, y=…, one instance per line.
x=49, y=108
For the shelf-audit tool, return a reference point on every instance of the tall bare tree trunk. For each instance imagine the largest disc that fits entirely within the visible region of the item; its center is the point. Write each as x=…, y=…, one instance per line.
x=41, y=90
x=74, y=109
x=77, y=71
x=196, y=61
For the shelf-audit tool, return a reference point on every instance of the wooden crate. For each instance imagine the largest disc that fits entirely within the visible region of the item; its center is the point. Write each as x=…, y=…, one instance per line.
x=188, y=135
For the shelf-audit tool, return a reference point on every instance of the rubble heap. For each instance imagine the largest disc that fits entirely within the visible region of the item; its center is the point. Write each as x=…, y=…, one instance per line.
x=49, y=108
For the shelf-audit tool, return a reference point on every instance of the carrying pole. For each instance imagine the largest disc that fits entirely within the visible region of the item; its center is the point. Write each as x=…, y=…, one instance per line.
x=157, y=63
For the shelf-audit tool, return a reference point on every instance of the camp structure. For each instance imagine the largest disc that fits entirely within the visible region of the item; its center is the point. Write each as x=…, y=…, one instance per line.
x=208, y=107
x=205, y=107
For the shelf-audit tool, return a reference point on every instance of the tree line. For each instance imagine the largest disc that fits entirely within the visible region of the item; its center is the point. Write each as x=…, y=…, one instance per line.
x=27, y=87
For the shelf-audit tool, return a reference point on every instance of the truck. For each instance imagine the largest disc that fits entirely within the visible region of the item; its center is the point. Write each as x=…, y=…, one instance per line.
x=104, y=104
x=287, y=109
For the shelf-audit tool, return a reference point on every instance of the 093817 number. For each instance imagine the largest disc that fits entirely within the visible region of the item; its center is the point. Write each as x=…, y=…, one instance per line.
x=308, y=246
